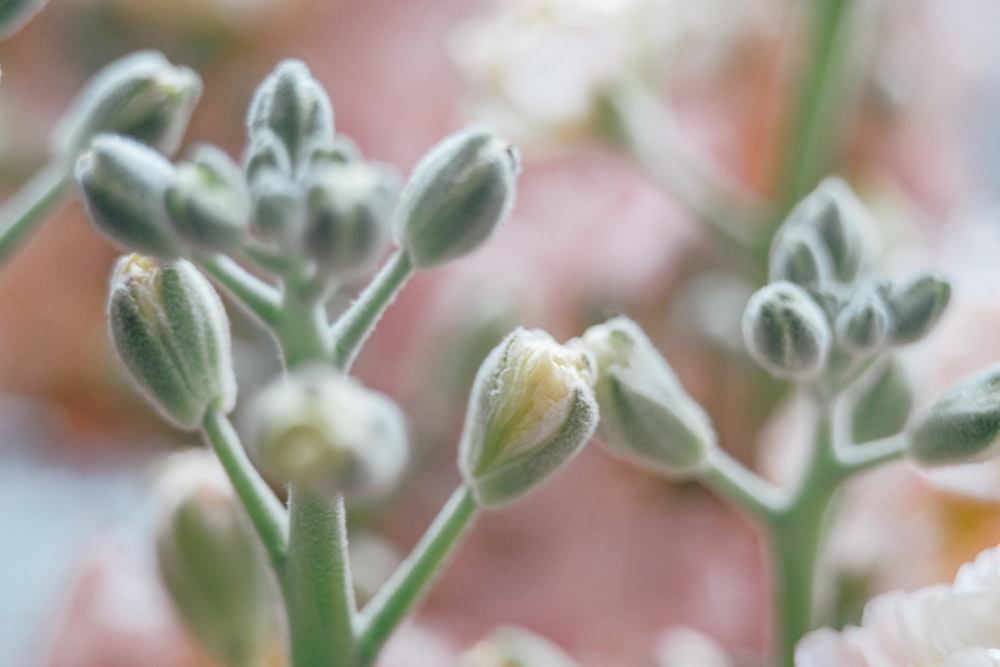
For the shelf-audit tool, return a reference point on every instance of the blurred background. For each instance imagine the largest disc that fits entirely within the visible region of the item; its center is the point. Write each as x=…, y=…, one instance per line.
x=663, y=141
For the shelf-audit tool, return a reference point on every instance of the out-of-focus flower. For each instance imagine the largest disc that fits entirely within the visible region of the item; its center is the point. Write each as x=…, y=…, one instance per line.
x=954, y=625
x=686, y=647
x=515, y=646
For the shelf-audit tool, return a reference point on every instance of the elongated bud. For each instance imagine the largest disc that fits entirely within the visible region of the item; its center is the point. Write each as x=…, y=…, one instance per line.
x=883, y=407
x=208, y=203
x=532, y=408
x=266, y=153
x=510, y=646
x=646, y=416
x=347, y=217
x=171, y=332
x=798, y=256
x=15, y=13
x=142, y=96
x=917, y=307
x=865, y=323
x=321, y=429
x=210, y=560
x=293, y=105
x=961, y=426
x=786, y=332
x=457, y=195
x=124, y=184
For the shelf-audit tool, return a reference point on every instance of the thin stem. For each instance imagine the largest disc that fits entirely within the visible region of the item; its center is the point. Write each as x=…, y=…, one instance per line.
x=267, y=514
x=302, y=330
x=31, y=205
x=414, y=577
x=857, y=458
x=356, y=323
x=257, y=297
x=741, y=487
x=316, y=583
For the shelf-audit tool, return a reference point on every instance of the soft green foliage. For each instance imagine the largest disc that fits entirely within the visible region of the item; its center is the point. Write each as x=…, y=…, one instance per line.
x=883, y=405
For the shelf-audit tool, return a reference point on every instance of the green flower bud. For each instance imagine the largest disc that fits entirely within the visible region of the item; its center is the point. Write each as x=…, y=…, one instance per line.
x=798, y=256
x=865, y=323
x=142, y=96
x=458, y=193
x=208, y=203
x=277, y=209
x=511, y=646
x=14, y=14
x=961, y=426
x=531, y=410
x=321, y=429
x=266, y=153
x=171, y=332
x=646, y=416
x=210, y=560
x=883, y=406
x=347, y=217
x=293, y=105
x=917, y=307
x=786, y=332
x=124, y=184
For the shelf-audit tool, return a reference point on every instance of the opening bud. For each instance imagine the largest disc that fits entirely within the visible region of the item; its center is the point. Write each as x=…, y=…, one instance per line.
x=170, y=330
x=865, y=323
x=917, y=307
x=142, y=96
x=208, y=203
x=293, y=105
x=210, y=560
x=124, y=184
x=323, y=430
x=961, y=426
x=457, y=195
x=531, y=410
x=646, y=416
x=511, y=646
x=786, y=332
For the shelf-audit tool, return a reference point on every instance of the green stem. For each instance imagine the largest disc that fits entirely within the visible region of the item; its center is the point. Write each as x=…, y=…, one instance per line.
x=414, y=577
x=267, y=514
x=257, y=297
x=741, y=487
x=857, y=458
x=302, y=330
x=356, y=323
x=28, y=207
x=316, y=583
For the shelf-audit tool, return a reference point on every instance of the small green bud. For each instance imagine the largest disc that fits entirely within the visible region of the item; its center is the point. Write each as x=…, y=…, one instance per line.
x=511, y=646
x=171, y=332
x=883, y=406
x=798, y=256
x=961, y=426
x=457, y=195
x=142, y=96
x=531, y=410
x=646, y=416
x=266, y=154
x=124, y=184
x=321, y=429
x=208, y=203
x=917, y=307
x=786, y=332
x=14, y=14
x=347, y=217
x=277, y=208
x=865, y=323
x=210, y=560
x=293, y=105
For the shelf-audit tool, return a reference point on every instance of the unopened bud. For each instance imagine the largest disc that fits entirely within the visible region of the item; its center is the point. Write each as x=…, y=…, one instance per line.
x=15, y=13
x=142, y=96
x=531, y=410
x=457, y=195
x=786, y=332
x=882, y=407
x=322, y=430
x=277, y=208
x=917, y=307
x=208, y=203
x=124, y=184
x=171, y=332
x=266, y=153
x=798, y=256
x=293, y=105
x=511, y=646
x=646, y=416
x=210, y=560
x=961, y=426
x=865, y=323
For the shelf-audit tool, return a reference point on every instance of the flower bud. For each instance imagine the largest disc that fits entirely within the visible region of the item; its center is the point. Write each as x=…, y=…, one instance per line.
x=511, y=646
x=266, y=154
x=917, y=306
x=277, y=208
x=865, y=323
x=210, y=560
x=321, y=429
x=797, y=255
x=293, y=105
x=142, y=96
x=171, y=332
x=531, y=410
x=347, y=217
x=646, y=416
x=961, y=426
x=458, y=193
x=208, y=203
x=124, y=184
x=883, y=406
x=14, y=14
x=786, y=332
